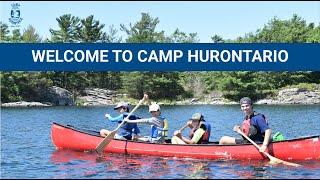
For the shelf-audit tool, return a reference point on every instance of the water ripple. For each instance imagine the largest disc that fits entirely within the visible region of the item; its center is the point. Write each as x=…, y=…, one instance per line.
x=27, y=150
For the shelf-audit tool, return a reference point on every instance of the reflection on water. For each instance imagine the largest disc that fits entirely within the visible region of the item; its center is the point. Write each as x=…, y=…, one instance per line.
x=73, y=164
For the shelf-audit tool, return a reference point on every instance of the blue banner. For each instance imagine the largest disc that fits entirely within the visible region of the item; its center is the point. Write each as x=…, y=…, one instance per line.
x=160, y=56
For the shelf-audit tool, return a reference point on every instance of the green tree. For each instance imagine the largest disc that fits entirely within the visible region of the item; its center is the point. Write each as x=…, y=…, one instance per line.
x=30, y=35
x=91, y=30
x=4, y=32
x=27, y=86
x=182, y=37
x=294, y=30
x=143, y=31
x=10, y=90
x=159, y=85
x=314, y=34
x=16, y=36
x=69, y=29
x=217, y=39
x=133, y=83
x=112, y=37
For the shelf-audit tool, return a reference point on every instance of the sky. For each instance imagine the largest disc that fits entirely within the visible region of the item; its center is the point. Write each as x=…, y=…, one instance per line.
x=206, y=18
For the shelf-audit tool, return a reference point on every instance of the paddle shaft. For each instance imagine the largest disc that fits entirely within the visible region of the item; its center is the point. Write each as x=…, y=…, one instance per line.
x=127, y=118
x=256, y=145
x=185, y=126
x=181, y=129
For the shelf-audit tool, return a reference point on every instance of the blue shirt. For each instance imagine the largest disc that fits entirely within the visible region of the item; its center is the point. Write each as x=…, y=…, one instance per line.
x=126, y=129
x=259, y=122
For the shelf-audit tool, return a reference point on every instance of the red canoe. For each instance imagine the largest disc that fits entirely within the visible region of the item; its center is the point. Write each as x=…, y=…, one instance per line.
x=69, y=137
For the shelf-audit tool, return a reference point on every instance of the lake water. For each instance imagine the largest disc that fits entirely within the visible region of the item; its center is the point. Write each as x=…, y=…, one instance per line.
x=27, y=150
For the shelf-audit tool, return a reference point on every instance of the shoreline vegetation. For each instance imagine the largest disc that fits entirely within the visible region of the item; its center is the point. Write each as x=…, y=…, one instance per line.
x=97, y=97
x=188, y=87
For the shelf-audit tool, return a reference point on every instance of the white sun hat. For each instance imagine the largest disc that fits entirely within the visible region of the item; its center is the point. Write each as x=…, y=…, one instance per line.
x=154, y=107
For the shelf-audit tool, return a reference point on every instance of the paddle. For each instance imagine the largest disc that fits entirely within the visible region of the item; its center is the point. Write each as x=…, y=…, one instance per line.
x=181, y=129
x=185, y=126
x=273, y=160
x=101, y=146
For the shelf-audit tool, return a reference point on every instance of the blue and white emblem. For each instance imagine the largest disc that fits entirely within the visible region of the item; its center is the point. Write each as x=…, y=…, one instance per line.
x=15, y=14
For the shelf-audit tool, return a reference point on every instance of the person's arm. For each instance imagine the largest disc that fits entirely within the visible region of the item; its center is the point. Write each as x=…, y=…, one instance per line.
x=114, y=119
x=196, y=137
x=188, y=141
x=147, y=121
x=266, y=140
x=151, y=121
x=146, y=98
x=261, y=122
x=178, y=132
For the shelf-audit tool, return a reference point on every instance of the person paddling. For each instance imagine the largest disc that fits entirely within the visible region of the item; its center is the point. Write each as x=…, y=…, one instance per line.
x=199, y=133
x=254, y=125
x=159, y=124
x=125, y=132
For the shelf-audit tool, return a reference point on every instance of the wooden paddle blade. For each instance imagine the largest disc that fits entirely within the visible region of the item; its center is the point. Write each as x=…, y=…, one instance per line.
x=274, y=160
x=105, y=142
x=277, y=161
x=291, y=164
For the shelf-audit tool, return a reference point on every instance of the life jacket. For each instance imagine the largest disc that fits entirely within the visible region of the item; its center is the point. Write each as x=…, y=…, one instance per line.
x=205, y=137
x=159, y=132
x=249, y=129
x=127, y=128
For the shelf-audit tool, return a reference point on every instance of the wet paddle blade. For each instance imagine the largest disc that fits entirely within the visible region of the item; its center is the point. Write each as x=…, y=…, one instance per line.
x=274, y=160
x=105, y=142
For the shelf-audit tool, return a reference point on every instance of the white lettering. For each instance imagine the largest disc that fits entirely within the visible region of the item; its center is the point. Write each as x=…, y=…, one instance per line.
x=104, y=56
x=139, y=55
x=267, y=55
x=286, y=56
x=39, y=55
x=223, y=59
x=66, y=56
x=192, y=55
x=256, y=56
x=76, y=56
x=127, y=56
x=50, y=54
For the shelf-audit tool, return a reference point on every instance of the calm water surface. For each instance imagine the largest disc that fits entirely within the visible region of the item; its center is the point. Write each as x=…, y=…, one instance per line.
x=27, y=150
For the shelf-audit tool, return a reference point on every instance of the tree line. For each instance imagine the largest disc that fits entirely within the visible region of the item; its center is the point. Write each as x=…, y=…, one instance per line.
x=31, y=86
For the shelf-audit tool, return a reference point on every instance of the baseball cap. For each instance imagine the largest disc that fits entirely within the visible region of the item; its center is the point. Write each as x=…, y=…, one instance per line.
x=196, y=116
x=121, y=104
x=245, y=100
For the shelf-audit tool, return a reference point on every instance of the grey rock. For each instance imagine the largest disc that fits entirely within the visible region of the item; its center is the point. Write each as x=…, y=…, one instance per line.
x=59, y=96
x=294, y=96
x=98, y=97
x=24, y=104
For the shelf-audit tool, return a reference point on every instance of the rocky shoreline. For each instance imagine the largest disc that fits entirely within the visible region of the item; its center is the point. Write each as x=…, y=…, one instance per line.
x=294, y=96
x=101, y=97
x=25, y=104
